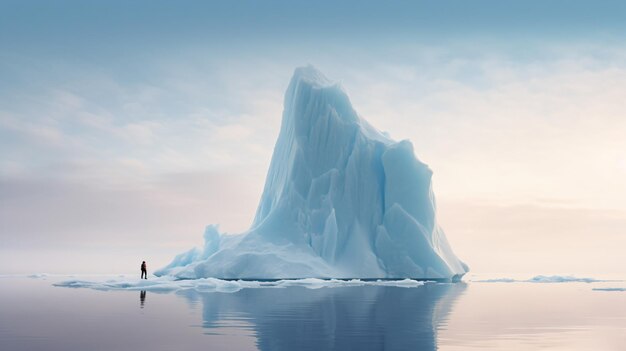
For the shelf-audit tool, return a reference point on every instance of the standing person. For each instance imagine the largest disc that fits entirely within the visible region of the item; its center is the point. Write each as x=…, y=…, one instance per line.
x=144, y=270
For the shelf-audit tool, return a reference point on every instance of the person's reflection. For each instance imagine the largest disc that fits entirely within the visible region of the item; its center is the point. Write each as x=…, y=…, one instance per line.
x=350, y=318
x=142, y=298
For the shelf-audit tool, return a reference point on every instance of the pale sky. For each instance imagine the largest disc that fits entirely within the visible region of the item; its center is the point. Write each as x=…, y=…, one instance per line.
x=126, y=128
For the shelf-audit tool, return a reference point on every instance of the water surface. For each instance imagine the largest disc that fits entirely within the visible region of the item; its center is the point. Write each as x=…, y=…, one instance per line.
x=34, y=315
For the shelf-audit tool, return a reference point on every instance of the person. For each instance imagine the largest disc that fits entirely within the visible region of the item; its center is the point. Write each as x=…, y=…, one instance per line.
x=144, y=270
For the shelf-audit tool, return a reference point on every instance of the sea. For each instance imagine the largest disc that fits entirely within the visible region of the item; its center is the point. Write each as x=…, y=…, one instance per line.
x=478, y=314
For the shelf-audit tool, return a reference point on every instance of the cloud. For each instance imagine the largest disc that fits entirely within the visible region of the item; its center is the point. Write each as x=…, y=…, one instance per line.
x=33, y=132
x=100, y=158
x=532, y=238
x=157, y=217
x=523, y=130
x=102, y=121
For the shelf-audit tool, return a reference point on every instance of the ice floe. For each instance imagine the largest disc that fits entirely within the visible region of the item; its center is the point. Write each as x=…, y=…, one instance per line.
x=167, y=284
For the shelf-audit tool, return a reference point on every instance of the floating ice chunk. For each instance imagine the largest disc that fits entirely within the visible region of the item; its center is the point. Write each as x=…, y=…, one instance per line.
x=38, y=276
x=561, y=279
x=609, y=289
x=167, y=284
x=162, y=284
x=543, y=279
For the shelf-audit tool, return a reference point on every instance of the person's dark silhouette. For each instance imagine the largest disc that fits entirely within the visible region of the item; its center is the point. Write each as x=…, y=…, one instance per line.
x=142, y=298
x=144, y=270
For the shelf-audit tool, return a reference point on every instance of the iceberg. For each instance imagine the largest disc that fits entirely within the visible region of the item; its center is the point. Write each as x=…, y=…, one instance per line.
x=341, y=200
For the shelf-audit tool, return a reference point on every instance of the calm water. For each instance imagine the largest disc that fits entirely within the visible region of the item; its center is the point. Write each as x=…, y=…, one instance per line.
x=34, y=315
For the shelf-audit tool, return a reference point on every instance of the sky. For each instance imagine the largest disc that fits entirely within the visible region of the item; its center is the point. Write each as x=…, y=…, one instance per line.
x=126, y=127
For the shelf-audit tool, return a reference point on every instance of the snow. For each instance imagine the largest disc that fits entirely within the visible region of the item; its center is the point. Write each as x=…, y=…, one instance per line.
x=341, y=200
x=168, y=284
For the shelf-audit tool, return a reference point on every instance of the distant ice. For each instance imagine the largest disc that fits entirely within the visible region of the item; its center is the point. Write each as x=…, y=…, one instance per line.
x=37, y=276
x=544, y=279
x=609, y=289
x=167, y=284
x=562, y=279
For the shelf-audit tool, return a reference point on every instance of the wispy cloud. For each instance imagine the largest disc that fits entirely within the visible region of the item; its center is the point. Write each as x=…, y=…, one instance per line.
x=164, y=129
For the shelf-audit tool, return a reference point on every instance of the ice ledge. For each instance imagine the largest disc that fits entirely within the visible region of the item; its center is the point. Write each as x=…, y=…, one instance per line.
x=166, y=284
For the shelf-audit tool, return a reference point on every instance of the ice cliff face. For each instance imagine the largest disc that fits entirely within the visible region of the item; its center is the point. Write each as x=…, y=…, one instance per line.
x=341, y=200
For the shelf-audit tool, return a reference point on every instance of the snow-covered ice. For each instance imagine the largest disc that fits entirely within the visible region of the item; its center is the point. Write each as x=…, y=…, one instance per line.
x=341, y=200
x=166, y=284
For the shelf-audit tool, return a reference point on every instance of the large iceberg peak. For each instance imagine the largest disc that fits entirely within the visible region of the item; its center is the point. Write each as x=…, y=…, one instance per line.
x=341, y=200
x=310, y=90
x=312, y=76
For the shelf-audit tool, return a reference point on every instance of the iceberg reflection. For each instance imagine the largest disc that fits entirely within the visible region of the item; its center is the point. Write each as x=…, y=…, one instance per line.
x=357, y=318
